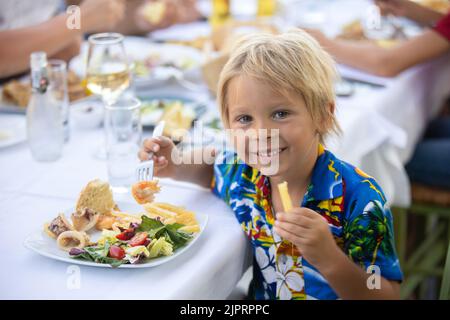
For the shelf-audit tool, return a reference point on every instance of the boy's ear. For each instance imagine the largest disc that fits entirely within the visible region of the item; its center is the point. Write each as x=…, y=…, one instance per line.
x=332, y=107
x=326, y=124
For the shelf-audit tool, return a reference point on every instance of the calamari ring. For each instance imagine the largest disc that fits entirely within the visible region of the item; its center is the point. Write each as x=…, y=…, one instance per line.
x=72, y=239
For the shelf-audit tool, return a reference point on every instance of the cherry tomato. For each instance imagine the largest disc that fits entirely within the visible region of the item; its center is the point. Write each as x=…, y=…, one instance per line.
x=139, y=239
x=126, y=235
x=116, y=252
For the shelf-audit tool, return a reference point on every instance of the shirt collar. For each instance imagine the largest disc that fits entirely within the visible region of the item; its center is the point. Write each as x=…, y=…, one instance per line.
x=326, y=180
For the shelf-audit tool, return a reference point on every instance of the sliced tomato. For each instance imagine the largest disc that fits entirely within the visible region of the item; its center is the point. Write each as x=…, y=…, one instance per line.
x=139, y=239
x=116, y=252
x=126, y=235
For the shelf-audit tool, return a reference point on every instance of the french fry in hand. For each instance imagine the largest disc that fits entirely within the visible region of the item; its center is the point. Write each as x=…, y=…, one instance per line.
x=287, y=205
x=285, y=197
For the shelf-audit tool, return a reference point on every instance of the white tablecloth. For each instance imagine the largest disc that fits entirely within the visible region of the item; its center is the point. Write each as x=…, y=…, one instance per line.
x=32, y=193
x=381, y=127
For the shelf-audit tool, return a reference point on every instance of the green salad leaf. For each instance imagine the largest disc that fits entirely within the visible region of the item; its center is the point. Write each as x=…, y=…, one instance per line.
x=151, y=226
x=157, y=229
x=99, y=254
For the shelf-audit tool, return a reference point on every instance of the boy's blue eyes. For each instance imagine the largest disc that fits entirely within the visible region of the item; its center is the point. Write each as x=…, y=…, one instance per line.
x=244, y=119
x=279, y=115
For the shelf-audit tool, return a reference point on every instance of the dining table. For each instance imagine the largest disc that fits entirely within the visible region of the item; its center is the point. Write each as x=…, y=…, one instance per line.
x=381, y=124
x=33, y=193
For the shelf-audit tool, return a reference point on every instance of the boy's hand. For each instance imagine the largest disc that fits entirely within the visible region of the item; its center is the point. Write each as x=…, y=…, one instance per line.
x=163, y=150
x=310, y=232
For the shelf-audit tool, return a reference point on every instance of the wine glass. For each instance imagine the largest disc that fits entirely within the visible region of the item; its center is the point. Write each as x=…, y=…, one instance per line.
x=108, y=71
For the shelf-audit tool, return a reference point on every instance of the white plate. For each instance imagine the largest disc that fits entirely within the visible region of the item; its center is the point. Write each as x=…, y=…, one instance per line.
x=42, y=244
x=140, y=48
x=149, y=119
x=12, y=130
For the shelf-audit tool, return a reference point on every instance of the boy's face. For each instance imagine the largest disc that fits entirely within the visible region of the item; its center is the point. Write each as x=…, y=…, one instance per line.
x=254, y=105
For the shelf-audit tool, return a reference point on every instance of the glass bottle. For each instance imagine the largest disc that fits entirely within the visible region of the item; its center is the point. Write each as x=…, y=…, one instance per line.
x=45, y=131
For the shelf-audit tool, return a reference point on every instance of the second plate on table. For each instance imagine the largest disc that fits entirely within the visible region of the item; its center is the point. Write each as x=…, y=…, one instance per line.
x=152, y=64
x=174, y=109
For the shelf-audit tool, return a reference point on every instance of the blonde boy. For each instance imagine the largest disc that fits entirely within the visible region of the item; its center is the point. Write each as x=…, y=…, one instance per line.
x=339, y=231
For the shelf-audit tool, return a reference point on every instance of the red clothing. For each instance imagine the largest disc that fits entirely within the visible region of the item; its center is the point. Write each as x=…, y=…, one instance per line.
x=443, y=27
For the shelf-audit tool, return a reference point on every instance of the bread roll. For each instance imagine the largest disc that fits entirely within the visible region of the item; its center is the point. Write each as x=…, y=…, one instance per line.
x=96, y=196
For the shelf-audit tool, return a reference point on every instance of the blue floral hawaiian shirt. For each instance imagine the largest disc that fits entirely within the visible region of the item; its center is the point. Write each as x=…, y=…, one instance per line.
x=351, y=202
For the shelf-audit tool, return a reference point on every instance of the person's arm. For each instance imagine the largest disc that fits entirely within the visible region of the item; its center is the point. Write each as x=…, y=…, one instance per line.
x=410, y=10
x=137, y=22
x=72, y=50
x=129, y=24
x=350, y=281
x=194, y=166
x=200, y=172
x=53, y=36
x=386, y=62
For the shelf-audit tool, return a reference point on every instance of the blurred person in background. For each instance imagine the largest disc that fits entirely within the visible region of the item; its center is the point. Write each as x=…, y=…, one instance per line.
x=144, y=16
x=430, y=162
x=40, y=25
x=377, y=60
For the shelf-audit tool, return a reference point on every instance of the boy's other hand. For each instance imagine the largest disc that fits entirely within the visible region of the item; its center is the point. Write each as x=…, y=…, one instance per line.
x=310, y=232
x=163, y=150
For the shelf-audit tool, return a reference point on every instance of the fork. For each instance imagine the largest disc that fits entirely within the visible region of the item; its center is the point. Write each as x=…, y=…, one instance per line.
x=144, y=171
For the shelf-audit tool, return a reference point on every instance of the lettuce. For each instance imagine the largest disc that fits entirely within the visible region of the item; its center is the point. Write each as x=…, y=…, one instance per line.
x=108, y=236
x=160, y=247
x=98, y=254
x=135, y=251
x=156, y=229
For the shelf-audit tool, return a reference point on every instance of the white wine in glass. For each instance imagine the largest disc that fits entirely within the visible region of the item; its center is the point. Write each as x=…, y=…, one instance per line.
x=109, y=85
x=108, y=72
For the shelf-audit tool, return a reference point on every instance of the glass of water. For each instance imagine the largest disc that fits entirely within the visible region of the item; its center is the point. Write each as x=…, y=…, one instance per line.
x=123, y=130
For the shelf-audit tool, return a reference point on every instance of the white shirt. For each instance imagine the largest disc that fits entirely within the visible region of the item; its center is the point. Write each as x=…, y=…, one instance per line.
x=16, y=14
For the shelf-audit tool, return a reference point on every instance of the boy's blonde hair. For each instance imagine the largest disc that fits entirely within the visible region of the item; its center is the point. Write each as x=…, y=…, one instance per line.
x=292, y=63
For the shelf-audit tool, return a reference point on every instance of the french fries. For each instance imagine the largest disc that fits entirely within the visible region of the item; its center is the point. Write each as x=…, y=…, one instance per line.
x=126, y=216
x=169, y=214
x=285, y=197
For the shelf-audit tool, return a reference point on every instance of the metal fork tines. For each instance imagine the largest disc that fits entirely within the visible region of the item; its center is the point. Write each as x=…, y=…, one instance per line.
x=144, y=171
